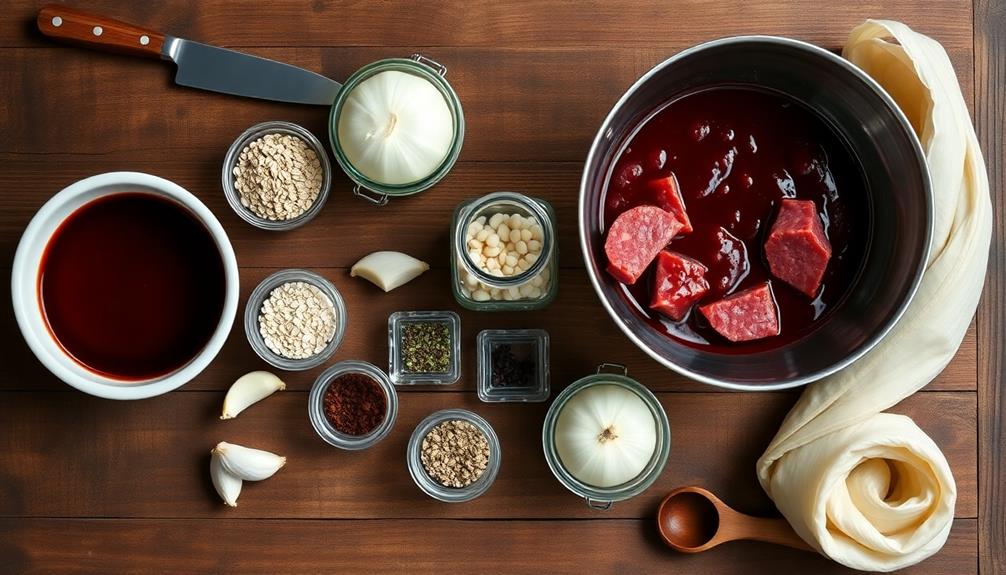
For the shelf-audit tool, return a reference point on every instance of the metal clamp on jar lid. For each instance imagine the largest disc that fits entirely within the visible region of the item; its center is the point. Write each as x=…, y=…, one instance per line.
x=504, y=251
x=595, y=414
x=396, y=127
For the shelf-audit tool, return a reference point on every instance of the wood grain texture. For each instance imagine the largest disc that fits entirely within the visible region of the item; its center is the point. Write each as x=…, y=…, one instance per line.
x=89, y=485
x=413, y=546
x=90, y=457
x=582, y=336
x=990, y=120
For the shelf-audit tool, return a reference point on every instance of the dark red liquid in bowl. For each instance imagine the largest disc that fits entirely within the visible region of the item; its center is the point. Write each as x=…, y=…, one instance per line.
x=736, y=153
x=132, y=286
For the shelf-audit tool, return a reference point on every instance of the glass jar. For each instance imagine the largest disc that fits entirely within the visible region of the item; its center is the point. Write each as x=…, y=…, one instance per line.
x=488, y=288
x=530, y=345
x=417, y=65
x=602, y=497
x=427, y=484
x=398, y=323
x=316, y=406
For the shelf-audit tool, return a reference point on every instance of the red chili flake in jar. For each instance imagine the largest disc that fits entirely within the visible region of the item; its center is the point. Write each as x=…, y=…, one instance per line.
x=355, y=404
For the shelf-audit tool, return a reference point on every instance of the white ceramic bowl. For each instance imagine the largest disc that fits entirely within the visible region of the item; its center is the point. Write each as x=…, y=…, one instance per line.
x=24, y=284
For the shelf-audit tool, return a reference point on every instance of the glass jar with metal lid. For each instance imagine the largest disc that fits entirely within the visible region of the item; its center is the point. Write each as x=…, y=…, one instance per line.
x=608, y=374
x=416, y=65
x=493, y=273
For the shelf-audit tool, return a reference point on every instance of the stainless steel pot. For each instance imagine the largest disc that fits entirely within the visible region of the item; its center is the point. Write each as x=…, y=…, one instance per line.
x=877, y=132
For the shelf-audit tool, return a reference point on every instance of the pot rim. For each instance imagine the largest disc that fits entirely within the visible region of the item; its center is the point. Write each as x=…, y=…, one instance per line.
x=598, y=143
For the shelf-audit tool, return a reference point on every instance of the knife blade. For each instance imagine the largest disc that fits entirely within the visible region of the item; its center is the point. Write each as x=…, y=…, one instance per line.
x=199, y=65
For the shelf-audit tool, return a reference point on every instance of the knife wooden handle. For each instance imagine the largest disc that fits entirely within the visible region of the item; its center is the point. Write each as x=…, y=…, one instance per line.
x=77, y=27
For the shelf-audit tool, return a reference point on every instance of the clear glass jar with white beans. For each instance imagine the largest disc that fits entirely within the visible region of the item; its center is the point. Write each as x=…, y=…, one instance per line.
x=503, y=253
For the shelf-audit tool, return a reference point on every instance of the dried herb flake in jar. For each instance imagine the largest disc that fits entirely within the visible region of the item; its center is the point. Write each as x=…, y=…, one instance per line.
x=455, y=453
x=513, y=365
x=355, y=404
x=426, y=347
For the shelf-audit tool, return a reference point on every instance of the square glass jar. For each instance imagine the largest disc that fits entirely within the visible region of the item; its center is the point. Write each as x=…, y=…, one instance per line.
x=526, y=344
x=397, y=324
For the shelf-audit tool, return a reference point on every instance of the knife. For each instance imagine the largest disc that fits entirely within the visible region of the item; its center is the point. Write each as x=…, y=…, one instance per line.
x=199, y=65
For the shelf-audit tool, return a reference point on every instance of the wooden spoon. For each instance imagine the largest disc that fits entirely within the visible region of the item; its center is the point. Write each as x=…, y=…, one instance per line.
x=692, y=520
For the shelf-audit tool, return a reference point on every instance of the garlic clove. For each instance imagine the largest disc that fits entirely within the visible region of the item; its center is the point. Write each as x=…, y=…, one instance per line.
x=227, y=485
x=247, y=463
x=250, y=388
x=389, y=270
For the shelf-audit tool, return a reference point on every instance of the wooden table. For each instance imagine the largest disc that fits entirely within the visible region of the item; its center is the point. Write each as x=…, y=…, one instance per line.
x=90, y=485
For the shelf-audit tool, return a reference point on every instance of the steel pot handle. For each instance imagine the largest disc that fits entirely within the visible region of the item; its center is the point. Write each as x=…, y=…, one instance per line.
x=598, y=504
x=616, y=368
x=437, y=66
x=379, y=199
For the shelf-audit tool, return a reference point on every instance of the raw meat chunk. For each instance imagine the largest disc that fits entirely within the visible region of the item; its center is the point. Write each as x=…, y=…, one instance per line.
x=797, y=249
x=635, y=238
x=745, y=316
x=667, y=196
x=679, y=282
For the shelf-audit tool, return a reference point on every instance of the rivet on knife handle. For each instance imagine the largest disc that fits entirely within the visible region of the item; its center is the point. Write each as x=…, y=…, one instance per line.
x=74, y=26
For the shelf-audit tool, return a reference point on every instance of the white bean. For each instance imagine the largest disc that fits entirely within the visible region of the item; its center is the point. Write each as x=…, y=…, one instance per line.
x=525, y=290
x=504, y=232
x=494, y=221
x=493, y=240
x=496, y=272
x=481, y=220
x=515, y=235
x=534, y=246
x=507, y=296
x=535, y=292
x=522, y=248
x=536, y=232
x=492, y=264
x=530, y=259
x=495, y=293
x=475, y=255
x=471, y=281
x=474, y=228
x=475, y=244
x=517, y=221
x=480, y=295
x=511, y=247
x=502, y=258
x=483, y=234
x=514, y=292
x=522, y=264
x=492, y=252
x=537, y=282
x=507, y=270
x=511, y=260
x=525, y=235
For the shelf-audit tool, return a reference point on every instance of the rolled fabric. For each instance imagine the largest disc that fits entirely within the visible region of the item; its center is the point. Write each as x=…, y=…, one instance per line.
x=871, y=490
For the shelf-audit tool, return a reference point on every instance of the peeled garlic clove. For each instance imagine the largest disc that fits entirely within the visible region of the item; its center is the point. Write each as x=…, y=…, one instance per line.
x=227, y=486
x=388, y=270
x=247, y=463
x=248, y=389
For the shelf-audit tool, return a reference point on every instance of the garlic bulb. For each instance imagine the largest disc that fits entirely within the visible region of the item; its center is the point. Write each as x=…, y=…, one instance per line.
x=246, y=463
x=388, y=270
x=250, y=388
x=227, y=486
x=605, y=435
x=396, y=128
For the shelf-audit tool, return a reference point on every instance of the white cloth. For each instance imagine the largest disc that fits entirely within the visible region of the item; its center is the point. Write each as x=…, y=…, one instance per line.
x=868, y=489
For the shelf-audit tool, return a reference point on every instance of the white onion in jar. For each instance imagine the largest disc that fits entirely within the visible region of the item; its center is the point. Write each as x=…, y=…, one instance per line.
x=396, y=128
x=605, y=435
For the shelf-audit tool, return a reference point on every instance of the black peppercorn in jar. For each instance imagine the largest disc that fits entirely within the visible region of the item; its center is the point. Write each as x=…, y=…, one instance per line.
x=513, y=365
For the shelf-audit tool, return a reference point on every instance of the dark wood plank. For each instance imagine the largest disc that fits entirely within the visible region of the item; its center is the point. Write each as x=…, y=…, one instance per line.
x=990, y=120
x=497, y=24
x=71, y=455
x=525, y=110
x=413, y=546
x=582, y=336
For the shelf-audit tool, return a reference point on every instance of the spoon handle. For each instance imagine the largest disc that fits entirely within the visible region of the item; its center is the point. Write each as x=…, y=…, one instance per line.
x=776, y=531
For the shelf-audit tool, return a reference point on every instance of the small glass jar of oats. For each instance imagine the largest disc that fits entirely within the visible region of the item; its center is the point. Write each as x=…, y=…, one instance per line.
x=276, y=176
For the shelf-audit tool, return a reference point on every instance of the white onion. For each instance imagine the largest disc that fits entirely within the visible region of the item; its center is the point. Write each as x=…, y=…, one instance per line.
x=396, y=128
x=605, y=435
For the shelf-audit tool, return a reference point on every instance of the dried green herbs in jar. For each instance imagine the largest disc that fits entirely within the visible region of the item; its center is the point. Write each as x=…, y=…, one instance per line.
x=426, y=347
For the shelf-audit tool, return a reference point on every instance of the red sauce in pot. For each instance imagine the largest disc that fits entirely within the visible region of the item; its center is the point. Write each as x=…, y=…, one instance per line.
x=132, y=286
x=736, y=153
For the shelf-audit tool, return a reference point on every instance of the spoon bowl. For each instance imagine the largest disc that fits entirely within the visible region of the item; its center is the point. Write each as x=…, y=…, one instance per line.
x=692, y=520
